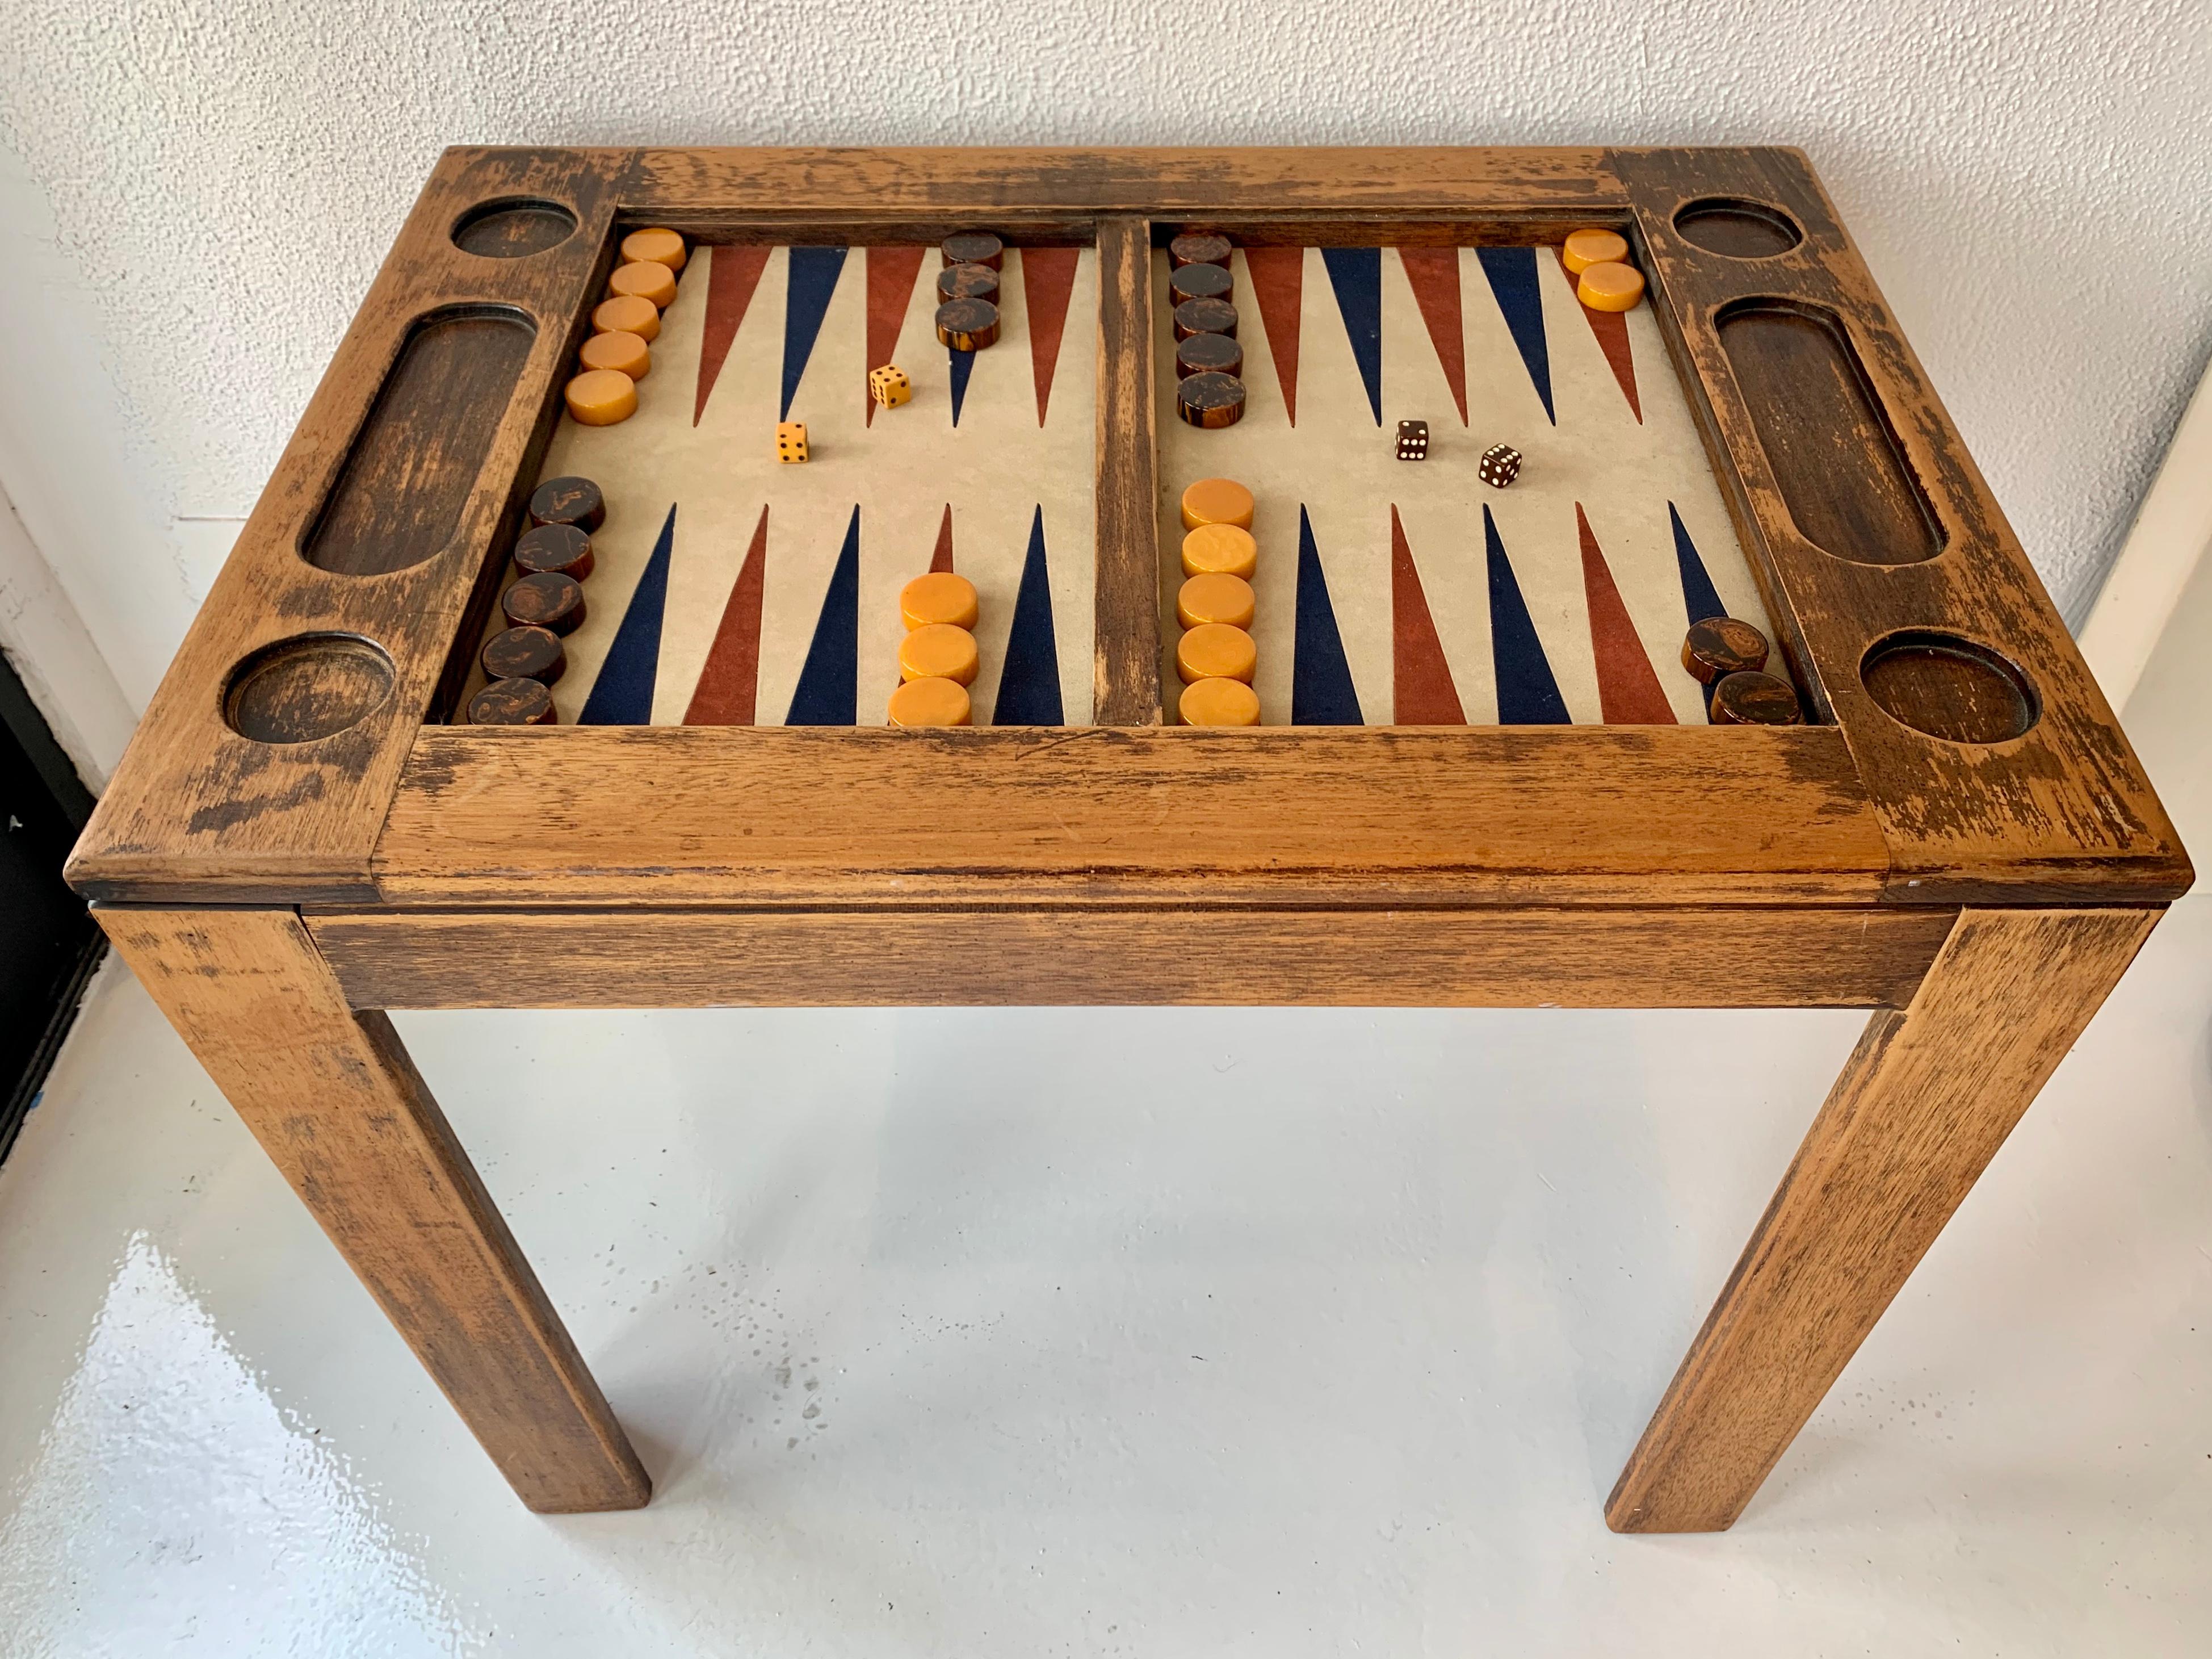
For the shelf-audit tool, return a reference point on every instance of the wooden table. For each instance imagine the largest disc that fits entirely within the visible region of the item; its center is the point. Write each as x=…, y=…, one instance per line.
x=304, y=832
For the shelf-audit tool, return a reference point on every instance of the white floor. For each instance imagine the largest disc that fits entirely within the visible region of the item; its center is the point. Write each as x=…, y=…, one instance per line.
x=1142, y=1333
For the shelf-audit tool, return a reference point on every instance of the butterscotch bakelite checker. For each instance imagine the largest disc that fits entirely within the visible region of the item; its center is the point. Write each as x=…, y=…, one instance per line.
x=931, y=702
x=1218, y=702
x=1585, y=248
x=643, y=279
x=1217, y=501
x=938, y=651
x=1610, y=286
x=627, y=313
x=600, y=396
x=939, y=596
x=1215, y=597
x=1216, y=650
x=528, y=682
x=1226, y=549
x=623, y=352
x=655, y=244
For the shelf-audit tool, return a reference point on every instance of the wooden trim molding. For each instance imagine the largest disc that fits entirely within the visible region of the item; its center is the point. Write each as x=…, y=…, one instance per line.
x=1167, y=815
x=1795, y=958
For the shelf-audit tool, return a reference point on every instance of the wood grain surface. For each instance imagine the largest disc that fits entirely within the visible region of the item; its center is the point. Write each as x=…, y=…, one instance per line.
x=1922, y=1106
x=1235, y=190
x=1324, y=959
x=200, y=813
x=336, y=1104
x=407, y=479
x=2063, y=814
x=479, y=866
x=1307, y=816
x=1807, y=393
x=196, y=809
x=1126, y=691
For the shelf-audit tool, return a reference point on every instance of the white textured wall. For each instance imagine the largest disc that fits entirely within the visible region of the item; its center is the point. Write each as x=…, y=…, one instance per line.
x=194, y=196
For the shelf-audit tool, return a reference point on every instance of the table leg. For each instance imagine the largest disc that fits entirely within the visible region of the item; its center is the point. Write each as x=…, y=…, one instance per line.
x=333, y=1099
x=1923, y=1103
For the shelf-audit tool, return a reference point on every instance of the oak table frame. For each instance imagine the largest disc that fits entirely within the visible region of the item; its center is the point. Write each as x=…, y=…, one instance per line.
x=1982, y=896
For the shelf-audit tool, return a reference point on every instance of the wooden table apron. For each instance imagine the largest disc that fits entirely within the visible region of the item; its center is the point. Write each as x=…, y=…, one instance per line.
x=1980, y=889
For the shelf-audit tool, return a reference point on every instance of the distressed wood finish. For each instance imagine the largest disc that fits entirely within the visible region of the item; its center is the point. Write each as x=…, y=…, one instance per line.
x=1922, y=1106
x=2062, y=814
x=1127, y=686
x=674, y=814
x=413, y=465
x=197, y=809
x=1520, y=191
x=335, y=1102
x=1321, y=959
x=1667, y=865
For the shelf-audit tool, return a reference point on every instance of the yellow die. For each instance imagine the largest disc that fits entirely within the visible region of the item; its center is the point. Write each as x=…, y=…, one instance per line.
x=791, y=441
x=889, y=386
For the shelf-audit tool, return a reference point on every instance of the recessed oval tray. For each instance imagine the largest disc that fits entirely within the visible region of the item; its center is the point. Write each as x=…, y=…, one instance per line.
x=1949, y=687
x=1738, y=229
x=415, y=458
x=514, y=229
x=314, y=685
x=1836, y=461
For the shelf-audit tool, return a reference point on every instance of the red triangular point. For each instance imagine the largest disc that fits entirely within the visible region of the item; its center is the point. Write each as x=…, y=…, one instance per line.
x=1434, y=274
x=1422, y=689
x=1279, y=281
x=892, y=271
x=732, y=273
x=725, y=693
x=1628, y=692
x=942, y=558
x=1047, y=280
x=1611, y=328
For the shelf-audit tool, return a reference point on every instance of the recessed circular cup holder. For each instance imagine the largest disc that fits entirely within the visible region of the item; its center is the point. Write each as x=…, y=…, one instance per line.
x=1947, y=687
x=309, y=687
x=513, y=229
x=1737, y=229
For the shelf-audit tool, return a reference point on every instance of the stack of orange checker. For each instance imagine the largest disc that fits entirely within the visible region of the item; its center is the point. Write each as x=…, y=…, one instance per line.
x=1216, y=657
x=936, y=658
x=618, y=356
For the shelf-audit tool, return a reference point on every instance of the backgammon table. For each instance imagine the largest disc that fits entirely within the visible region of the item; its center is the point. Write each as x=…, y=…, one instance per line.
x=1480, y=775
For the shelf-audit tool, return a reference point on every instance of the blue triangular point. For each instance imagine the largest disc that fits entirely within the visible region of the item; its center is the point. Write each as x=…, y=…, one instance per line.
x=622, y=694
x=1527, y=693
x=1700, y=596
x=1029, y=685
x=828, y=693
x=1321, y=692
x=813, y=279
x=964, y=365
x=1356, y=274
x=1512, y=274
